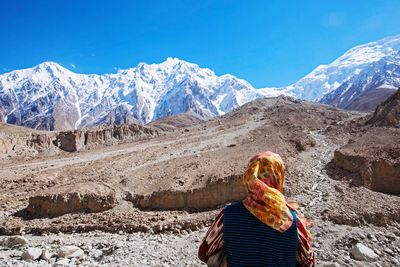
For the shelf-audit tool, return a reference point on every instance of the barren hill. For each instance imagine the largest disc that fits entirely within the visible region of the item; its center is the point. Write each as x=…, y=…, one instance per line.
x=176, y=181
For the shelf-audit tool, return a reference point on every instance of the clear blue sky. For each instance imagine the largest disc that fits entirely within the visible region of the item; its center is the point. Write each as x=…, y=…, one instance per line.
x=268, y=43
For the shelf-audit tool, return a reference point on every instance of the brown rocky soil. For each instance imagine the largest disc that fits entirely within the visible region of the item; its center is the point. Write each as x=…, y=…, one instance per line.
x=175, y=182
x=23, y=143
x=388, y=112
x=375, y=157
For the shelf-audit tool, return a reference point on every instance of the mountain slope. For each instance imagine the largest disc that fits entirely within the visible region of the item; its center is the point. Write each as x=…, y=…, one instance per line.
x=51, y=97
x=48, y=96
x=365, y=90
x=388, y=112
x=358, y=60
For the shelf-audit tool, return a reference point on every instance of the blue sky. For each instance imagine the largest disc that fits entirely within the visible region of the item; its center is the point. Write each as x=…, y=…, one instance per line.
x=268, y=43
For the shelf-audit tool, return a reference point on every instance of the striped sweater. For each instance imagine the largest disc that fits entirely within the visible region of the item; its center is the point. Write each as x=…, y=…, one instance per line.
x=249, y=242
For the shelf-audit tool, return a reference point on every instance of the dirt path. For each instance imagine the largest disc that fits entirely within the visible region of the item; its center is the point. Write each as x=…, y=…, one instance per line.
x=193, y=143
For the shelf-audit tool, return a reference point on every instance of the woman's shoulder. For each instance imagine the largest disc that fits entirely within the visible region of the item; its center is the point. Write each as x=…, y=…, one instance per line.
x=234, y=206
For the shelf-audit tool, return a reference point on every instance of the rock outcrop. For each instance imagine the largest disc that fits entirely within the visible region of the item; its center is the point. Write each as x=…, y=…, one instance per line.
x=87, y=197
x=20, y=141
x=212, y=195
x=72, y=141
x=388, y=112
x=2, y=115
x=375, y=157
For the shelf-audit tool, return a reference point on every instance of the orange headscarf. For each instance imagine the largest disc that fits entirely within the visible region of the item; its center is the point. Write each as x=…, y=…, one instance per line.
x=263, y=182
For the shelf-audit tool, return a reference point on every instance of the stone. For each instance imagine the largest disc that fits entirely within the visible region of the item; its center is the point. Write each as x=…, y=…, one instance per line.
x=97, y=253
x=362, y=252
x=62, y=262
x=14, y=241
x=331, y=264
x=31, y=254
x=372, y=237
x=70, y=252
x=389, y=251
x=377, y=252
x=46, y=255
x=395, y=261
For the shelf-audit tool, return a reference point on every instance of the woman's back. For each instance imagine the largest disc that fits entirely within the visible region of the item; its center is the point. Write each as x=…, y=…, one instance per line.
x=249, y=242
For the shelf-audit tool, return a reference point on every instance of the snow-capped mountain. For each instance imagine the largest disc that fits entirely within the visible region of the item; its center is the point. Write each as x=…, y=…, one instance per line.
x=48, y=96
x=327, y=78
x=365, y=90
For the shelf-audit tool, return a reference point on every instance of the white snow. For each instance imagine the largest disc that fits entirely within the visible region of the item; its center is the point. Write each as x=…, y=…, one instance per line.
x=327, y=78
x=149, y=91
x=152, y=91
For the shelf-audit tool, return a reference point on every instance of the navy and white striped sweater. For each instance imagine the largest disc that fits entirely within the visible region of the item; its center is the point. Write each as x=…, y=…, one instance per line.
x=250, y=242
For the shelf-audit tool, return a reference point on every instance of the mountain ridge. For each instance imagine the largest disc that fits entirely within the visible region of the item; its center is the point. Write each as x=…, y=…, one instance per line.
x=49, y=96
x=326, y=78
x=39, y=97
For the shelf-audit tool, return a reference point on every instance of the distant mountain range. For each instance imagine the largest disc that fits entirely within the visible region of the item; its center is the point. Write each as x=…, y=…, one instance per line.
x=49, y=96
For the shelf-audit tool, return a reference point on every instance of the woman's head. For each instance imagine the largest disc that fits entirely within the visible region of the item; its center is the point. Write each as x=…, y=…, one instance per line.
x=266, y=167
x=263, y=182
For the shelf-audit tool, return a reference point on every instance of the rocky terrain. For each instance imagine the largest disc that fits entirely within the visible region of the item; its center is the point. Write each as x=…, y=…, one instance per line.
x=23, y=143
x=148, y=201
x=375, y=155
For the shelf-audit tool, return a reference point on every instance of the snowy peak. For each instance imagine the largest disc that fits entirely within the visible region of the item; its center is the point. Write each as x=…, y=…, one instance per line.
x=49, y=96
x=370, y=52
x=327, y=78
x=371, y=86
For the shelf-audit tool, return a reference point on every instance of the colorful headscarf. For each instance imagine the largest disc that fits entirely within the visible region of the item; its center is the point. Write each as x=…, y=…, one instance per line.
x=263, y=182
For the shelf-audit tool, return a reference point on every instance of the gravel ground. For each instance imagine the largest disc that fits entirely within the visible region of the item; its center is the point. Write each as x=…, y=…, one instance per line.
x=333, y=204
x=104, y=249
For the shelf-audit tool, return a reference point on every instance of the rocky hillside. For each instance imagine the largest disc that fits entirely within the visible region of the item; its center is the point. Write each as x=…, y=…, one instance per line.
x=388, y=112
x=147, y=201
x=21, y=142
x=374, y=155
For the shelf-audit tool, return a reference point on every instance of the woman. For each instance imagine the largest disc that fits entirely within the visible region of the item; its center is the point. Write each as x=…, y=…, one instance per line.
x=262, y=230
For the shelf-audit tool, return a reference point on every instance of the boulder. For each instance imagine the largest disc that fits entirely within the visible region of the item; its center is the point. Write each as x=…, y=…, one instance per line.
x=31, y=254
x=70, y=252
x=14, y=241
x=46, y=255
x=62, y=262
x=362, y=252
